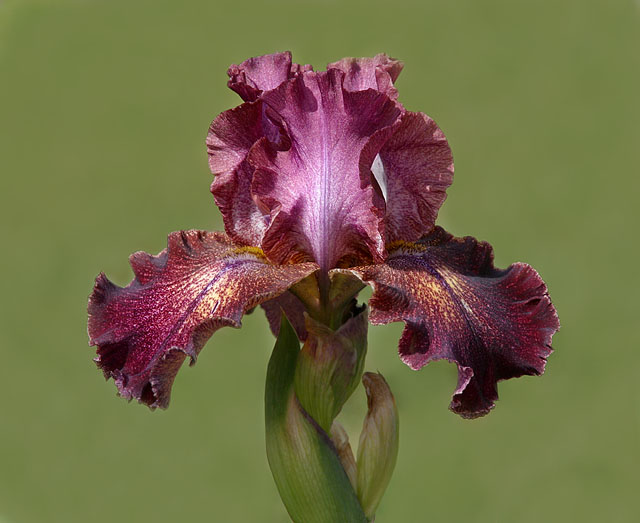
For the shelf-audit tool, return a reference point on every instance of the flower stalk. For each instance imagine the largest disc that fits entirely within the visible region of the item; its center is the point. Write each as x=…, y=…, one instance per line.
x=306, y=390
x=312, y=483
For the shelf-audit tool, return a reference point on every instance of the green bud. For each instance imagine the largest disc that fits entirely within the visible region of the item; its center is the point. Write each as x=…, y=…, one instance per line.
x=330, y=365
x=378, y=447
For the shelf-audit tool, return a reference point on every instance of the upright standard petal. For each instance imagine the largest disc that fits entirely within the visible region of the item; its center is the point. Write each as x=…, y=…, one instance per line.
x=262, y=73
x=200, y=283
x=494, y=324
x=319, y=192
x=414, y=170
x=379, y=73
x=230, y=137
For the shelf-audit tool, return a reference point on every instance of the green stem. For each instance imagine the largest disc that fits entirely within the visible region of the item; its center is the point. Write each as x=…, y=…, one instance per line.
x=305, y=465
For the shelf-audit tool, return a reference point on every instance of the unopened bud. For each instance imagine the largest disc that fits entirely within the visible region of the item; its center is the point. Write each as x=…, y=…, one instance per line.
x=340, y=439
x=329, y=366
x=378, y=447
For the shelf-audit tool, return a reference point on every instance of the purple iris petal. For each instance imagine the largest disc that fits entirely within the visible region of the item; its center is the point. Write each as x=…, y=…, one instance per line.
x=319, y=192
x=328, y=168
x=200, y=283
x=296, y=166
x=494, y=324
x=414, y=170
x=230, y=137
x=379, y=73
x=262, y=73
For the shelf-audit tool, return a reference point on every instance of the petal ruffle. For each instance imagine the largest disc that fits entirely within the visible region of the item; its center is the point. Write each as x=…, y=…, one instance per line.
x=230, y=137
x=262, y=73
x=200, y=283
x=414, y=170
x=494, y=324
x=319, y=192
x=379, y=73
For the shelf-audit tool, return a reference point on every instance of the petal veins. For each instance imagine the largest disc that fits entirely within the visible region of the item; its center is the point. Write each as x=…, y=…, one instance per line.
x=201, y=282
x=494, y=324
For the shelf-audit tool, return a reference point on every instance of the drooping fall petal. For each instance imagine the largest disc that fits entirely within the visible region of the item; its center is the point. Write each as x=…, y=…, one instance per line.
x=262, y=73
x=319, y=192
x=414, y=170
x=200, y=283
x=379, y=73
x=494, y=324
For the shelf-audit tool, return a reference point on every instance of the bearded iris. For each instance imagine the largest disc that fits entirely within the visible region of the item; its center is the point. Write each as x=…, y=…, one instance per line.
x=326, y=183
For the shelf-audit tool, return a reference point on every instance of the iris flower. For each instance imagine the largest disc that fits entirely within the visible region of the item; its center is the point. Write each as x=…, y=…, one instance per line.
x=326, y=183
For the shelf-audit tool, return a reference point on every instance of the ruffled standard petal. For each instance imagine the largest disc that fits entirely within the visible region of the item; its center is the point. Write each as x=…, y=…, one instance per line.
x=319, y=192
x=200, y=283
x=494, y=324
x=414, y=170
x=262, y=73
x=379, y=73
x=230, y=137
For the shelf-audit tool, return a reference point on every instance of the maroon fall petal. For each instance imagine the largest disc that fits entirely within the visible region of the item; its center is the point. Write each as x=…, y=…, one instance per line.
x=414, y=170
x=201, y=282
x=318, y=192
x=494, y=324
x=379, y=73
x=262, y=73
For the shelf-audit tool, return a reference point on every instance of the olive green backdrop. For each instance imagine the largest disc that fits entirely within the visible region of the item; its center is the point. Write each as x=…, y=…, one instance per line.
x=104, y=108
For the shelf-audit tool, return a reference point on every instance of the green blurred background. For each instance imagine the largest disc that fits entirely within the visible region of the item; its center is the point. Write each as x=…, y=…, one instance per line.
x=104, y=107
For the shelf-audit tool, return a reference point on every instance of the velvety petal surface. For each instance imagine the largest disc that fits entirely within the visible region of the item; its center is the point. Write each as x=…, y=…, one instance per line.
x=414, y=170
x=319, y=192
x=494, y=324
x=200, y=283
x=379, y=73
x=262, y=73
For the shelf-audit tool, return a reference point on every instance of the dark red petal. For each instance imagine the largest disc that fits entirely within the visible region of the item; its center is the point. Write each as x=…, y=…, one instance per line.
x=494, y=324
x=379, y=73
x=414, y=169
x=262, y=73
x=200, y=283
x=319, y=192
